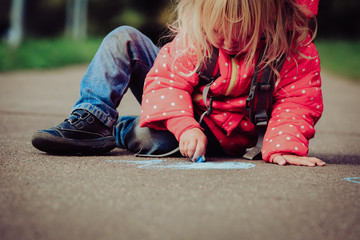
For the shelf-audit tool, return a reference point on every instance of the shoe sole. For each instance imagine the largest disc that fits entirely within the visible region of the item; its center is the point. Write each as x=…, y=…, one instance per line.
x=48, y=143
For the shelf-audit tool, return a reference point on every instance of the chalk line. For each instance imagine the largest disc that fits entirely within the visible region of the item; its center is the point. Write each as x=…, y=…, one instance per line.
x=159, y=163
x=353, y=179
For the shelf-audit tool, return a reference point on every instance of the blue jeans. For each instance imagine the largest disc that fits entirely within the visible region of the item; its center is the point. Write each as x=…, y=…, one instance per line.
x=122, y=61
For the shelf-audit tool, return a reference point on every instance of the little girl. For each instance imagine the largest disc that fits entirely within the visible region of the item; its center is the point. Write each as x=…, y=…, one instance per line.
x=172, y=96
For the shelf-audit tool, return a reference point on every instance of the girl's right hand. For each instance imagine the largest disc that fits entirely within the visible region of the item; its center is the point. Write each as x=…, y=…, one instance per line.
x=193, y=143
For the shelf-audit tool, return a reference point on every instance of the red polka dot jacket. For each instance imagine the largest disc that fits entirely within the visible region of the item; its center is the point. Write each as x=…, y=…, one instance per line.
x=170, y=99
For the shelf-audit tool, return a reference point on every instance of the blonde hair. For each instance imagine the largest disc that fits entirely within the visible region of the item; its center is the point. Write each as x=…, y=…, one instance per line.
x=281, y=24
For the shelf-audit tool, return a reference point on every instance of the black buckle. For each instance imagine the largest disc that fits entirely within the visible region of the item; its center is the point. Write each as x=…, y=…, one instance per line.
x=72, y=119
x=205, y=79
x=210, y=109
x=265, y=87
x=249, y=100
x=261, y=119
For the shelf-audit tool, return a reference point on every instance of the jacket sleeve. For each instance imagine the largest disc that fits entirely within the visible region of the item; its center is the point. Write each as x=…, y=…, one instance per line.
x=297, y=107
x=167, y=102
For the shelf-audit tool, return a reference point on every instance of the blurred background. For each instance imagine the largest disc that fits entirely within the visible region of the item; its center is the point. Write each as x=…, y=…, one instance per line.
x=51, y=33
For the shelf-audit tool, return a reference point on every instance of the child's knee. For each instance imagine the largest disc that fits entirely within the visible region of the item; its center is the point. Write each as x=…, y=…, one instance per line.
x=121, y=34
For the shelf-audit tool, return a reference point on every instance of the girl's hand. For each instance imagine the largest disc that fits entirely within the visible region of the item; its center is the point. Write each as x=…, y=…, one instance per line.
x=297, y=160
x=193, y=143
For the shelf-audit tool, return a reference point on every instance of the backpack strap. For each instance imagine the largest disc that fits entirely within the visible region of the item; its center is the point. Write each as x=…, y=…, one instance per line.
x=207, y=75
x=259, y=103
x=206, y=71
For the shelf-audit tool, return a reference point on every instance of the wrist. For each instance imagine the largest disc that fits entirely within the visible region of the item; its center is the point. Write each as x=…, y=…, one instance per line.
x=179, y=125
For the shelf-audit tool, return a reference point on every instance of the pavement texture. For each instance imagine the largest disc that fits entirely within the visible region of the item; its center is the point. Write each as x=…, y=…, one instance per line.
x=119, y=196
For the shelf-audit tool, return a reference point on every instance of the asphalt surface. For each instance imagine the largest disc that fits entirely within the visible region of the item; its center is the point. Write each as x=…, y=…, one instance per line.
x=118, y=196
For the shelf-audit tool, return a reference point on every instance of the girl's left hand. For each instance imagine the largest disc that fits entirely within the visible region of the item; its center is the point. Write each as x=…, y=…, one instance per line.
x=297, y=160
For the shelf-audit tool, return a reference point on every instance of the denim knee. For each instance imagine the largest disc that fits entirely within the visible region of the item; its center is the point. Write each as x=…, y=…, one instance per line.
x=121, y=35
x=125, y=30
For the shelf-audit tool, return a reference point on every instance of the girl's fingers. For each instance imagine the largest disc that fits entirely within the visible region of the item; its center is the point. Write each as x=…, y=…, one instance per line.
x=182, y=148
x=187, y=149
x=191, y=149
x=297, y=160
x=317, y=161
x=279, y=160
x=200, y=150
x=304, y=161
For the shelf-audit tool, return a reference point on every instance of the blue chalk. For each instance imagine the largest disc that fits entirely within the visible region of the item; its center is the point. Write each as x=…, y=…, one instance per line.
x=200, y=159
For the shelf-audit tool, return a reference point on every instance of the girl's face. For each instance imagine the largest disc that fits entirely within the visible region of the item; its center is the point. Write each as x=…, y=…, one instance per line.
x=231, y=46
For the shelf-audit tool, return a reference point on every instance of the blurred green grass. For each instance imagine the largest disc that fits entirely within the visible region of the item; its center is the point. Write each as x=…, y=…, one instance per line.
x=340, y=57
x=47, y=53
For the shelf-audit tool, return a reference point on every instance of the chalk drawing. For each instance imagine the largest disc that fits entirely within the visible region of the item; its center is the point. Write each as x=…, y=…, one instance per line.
x=142, y=164
x=353, y=179
x=158, y=163
x=212, y=165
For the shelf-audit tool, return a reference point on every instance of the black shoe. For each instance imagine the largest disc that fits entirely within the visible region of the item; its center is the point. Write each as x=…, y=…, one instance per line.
x=81, y=133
